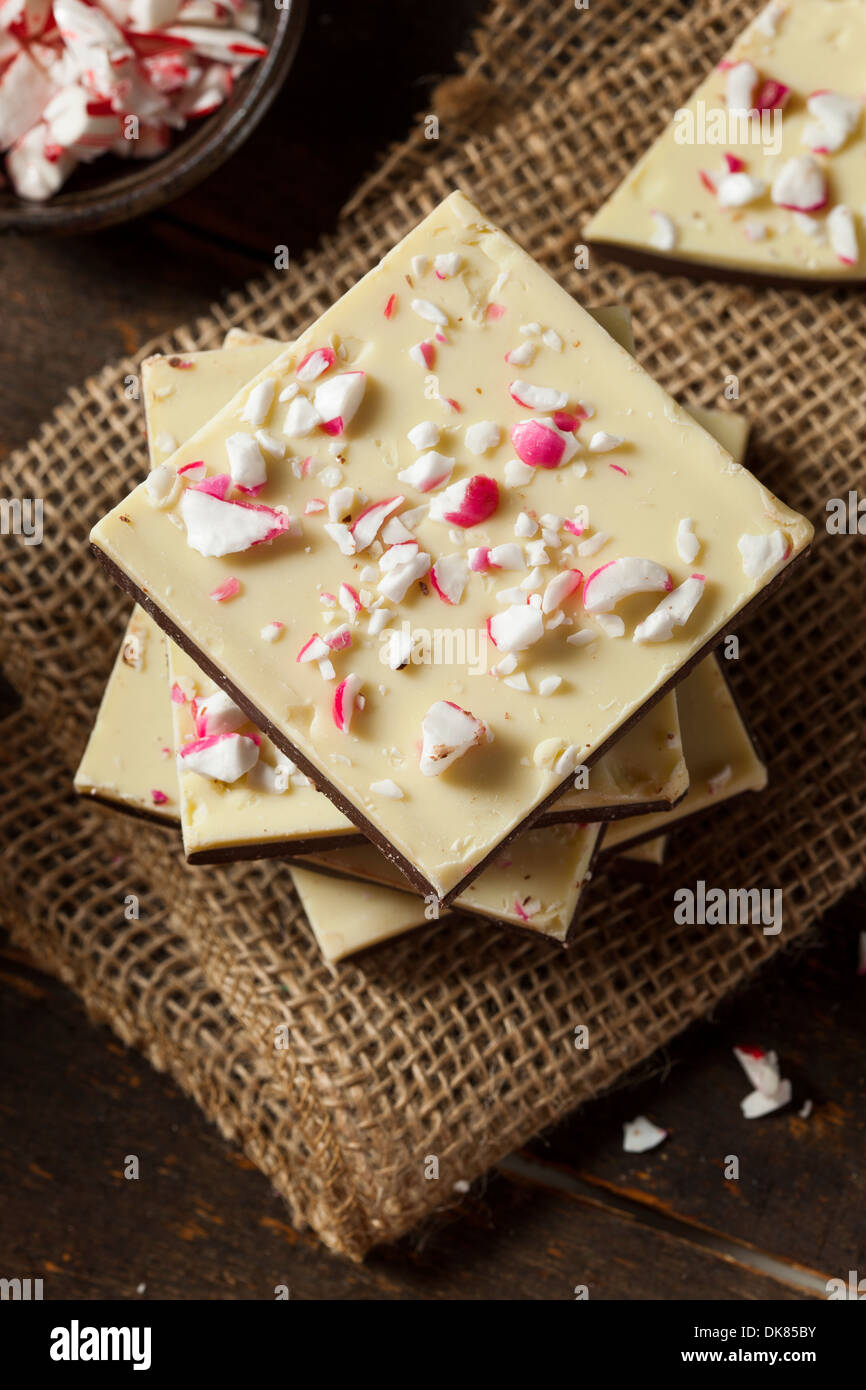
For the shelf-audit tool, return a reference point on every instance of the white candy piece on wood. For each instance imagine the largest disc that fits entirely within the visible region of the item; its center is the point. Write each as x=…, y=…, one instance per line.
x=447, y=733
x=640, y=1134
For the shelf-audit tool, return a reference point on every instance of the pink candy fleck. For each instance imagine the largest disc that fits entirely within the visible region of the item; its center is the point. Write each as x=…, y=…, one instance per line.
x=227, y=589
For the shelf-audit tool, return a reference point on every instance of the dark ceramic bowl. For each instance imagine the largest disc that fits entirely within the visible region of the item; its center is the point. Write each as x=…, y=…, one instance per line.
x=112, y=190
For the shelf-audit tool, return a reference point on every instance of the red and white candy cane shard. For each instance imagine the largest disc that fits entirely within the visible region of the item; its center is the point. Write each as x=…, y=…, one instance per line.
x=32, y=173
x=448, y=577
x=842, y=232
x=800, y=185
x=545, y=398
x=516, y=628
x=315, y=363
x=337, y=399
x=559, y=589
x=217, y=714
x=447, y=732
x=217, y=486
x=673, y=611
x=345, y=702
x=229, y=588
x=619, y=579
x=24, y=92
x=314, y=649
x=467, y=502
x=540, y=444
x=339, y=639
x=772, y=95
x=366, y=525
x=836, y=116
x=224, y=45
x=26, y=20
x=222, y=757
x=218, y=527
x=349, y=599
x=428, y=471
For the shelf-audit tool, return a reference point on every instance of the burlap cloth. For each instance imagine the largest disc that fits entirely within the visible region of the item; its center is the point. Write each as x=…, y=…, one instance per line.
x=457, y=1041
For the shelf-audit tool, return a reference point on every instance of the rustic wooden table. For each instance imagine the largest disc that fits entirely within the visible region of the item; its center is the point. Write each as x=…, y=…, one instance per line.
x=572, y=1210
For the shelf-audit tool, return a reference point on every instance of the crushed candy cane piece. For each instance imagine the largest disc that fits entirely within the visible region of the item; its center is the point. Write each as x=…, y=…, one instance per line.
x=836, y=116
x=387, y=788
x=345, y=702
x=800, y=185
x=517, y=473
x=720, y=780
x=842, y=232
x=424, y=435
x=314, y=649
x=337, y=400
x=688, y=544
x=217, y=527
x=447, y=264
x=428, y=471
x=217, y=714
x=396, y=583
x=423, y=355
x=301, y=418
x=740, y=84
x=228, y=589
x=449, y=576
x=739, y=189
x=431, y=313
x=161, y=485
x=259, y=402
x=664, y=232
x=366, y=525
x=315, y=364
x=448, y=732
x=546, y=398
x=517, y=628
x=271, y=632
x=673, y=611
x=522, y=355
x=640, y=1134
x=481, y=437
x=222, y=757
x=549, y=684
x=762, y=553
x=540, y=444
x=559, y=588
x=602, y=442
x=246, y=462
x=467, y=502
x=622, y=578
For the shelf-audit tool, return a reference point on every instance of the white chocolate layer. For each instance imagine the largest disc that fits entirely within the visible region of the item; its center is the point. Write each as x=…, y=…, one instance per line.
x=129, y=756
x=349, y=917
x=814, y=45
x=445, y=825
x=721, y=756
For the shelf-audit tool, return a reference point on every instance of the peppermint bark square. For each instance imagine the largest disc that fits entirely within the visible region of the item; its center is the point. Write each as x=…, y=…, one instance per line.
x=492, y=539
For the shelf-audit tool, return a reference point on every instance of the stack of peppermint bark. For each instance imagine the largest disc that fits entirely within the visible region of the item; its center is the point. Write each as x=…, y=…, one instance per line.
x=426, y=598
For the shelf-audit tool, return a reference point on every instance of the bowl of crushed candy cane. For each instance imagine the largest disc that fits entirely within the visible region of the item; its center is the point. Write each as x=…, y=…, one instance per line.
x=110, y=107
